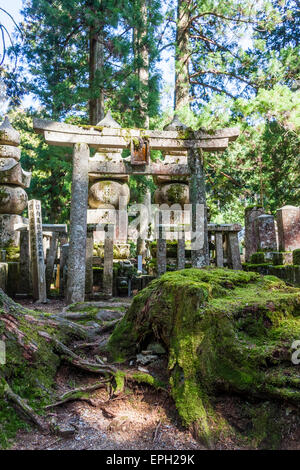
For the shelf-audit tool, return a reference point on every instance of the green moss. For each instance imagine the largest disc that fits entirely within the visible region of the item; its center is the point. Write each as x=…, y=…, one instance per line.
x=119, y=381
x=141, y=377
x=175, y=193
x=296, y=257
x=257, y=258
x=31, y=375
x=12, y=251
x=225, y=331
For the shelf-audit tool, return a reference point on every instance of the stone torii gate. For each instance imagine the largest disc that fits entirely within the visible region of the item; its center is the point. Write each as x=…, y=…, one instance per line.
x=108, y=135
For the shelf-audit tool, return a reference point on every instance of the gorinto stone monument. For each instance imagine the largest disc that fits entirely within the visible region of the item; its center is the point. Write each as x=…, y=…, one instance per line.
x=13, y=180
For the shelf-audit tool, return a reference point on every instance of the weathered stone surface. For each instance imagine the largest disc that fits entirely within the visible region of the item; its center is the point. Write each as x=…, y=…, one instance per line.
x=101, y=216
x=43, y=125
x=234, y=251
x=89, y=263
x=50, y=260
x=173, y=193
x=251, y=242
x=115, y=169
x=3, y=276
x=161, y=247
x=8, y=151
x=11, y=172
x=8, y=135
x=78, y=225
x=63, y=268
x=288, y=221
x=181, y=252
x=266, y=233
x=13, y=277
x=104, y=142
x=199, y=239
x=108, y=261
x=106, y=194
x=8, y=234
x=219, y=249
x=281, y=258
x=13, y=199
x=109, y=121
x=25, y=273
x=36, y=251
x=175, y=125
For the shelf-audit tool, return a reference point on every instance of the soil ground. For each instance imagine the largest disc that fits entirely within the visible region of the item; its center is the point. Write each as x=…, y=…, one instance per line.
x=140, y=418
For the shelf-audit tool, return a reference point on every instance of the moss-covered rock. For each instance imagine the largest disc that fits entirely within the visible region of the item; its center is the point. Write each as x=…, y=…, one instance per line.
x=296, y=257
x=257, y=258
x=226, y=332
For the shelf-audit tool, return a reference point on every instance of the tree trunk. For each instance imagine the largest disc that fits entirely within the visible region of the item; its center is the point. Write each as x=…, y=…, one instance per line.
x=182, y=85
x=96, y=65
x=141, y=53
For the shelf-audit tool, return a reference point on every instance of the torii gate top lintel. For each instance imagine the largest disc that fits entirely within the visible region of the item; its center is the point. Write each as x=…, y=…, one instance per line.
x=99, y=137
x=58, y=133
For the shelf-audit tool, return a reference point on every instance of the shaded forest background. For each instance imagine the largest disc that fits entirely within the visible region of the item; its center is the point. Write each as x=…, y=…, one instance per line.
x=236, y=64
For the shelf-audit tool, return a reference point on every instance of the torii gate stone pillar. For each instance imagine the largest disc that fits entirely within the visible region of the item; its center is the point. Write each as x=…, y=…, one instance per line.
x=78, y=224
x=140, y=142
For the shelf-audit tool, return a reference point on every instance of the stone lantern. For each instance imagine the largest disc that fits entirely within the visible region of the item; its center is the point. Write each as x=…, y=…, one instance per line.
x=13, y=180
x=173, y=190
x=107, y=191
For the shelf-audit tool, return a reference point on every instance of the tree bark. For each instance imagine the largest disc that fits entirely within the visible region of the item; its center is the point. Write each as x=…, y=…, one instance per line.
x=182, y=86
x=96, y=65
x=141, y=53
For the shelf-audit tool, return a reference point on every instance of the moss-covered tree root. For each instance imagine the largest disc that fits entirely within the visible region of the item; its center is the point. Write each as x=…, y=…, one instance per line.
x=35, y=345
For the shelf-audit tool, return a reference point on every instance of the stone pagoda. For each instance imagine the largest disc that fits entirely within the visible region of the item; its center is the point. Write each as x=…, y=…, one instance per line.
x=13, y=180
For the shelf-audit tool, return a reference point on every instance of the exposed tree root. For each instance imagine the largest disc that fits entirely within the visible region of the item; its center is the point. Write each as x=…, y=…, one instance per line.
x=76, y=393
x=76, y=360
x=21, y=405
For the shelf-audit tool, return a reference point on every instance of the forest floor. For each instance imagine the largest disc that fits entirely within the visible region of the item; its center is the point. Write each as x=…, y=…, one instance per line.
x=139, y=418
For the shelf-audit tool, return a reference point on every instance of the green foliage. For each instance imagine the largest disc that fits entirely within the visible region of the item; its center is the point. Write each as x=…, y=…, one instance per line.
x=244, y=72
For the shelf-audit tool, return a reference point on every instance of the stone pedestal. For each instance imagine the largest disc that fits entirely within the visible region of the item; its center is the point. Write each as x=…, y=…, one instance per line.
x=36, y=251
x=288, y=221
x=251, y=242
x=8, y=235
x=266, y=233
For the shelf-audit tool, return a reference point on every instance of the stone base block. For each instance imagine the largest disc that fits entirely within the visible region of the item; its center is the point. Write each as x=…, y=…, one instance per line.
x=13, y=199
x=280, y=258
x=101, y=216
x=8, y=234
